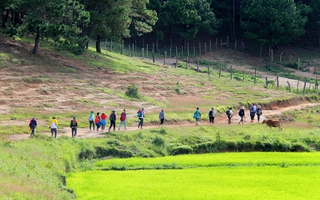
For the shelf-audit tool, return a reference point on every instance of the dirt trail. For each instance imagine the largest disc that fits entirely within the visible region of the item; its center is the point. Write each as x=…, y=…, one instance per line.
x=220, y=120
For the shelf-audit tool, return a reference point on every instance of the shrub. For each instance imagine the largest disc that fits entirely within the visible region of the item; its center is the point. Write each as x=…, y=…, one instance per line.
x=184, y=149
x=133, y=91
x=113, y=151
x=158, y=141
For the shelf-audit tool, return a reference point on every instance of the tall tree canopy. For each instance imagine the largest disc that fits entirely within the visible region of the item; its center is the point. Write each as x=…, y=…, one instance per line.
x=54, y=19
x=272, y=21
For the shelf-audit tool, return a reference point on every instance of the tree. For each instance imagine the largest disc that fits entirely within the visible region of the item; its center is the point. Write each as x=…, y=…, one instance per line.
x=187, y=17
x=272, y=22
x=51, y=19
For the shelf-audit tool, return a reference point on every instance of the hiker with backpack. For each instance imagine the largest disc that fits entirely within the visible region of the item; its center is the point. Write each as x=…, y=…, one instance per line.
x=196, y=116
x=74, y=126
x=103, y=121
x=97, y=121
x=229, y=113
x=241, y=114
x=161, y=117
x=252, y=112
x=140, y=114
x=91, y=120
x=211, y=115
x=32, y=124
x=123, y=120
x=259, y=112
x=113, y=118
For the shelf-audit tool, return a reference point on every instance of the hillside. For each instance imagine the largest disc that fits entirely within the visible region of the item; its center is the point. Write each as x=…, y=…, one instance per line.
x=60, y=84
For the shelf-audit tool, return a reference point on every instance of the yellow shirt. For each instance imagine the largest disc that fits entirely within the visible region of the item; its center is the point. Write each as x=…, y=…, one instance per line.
x=53, y=123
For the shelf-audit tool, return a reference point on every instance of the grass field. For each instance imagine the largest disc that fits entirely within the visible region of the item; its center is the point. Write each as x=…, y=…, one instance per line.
x=211, y=176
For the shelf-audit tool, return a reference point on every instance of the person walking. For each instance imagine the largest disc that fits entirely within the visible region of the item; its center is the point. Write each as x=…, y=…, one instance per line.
x=91, y=120
x=74, y=126
x=141, y=115
x=32, y=124
x=241, y=114
x=123, y=120
x=211, y=115
x=196, y=116
x=97, y=121
x=112, y=119
x=229, y=114
x=259, y=112
x=103, y=121
x=252, y=112
x=53, y=125
x=161, y=117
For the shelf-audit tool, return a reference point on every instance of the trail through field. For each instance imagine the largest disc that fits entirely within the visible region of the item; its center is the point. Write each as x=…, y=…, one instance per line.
x=220, y=120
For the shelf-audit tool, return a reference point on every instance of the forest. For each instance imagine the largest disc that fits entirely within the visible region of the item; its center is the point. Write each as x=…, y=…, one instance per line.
x=70, y=23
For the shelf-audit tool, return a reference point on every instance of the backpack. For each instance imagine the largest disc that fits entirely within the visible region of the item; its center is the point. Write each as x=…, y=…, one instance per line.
x=241, y=112
x=228, y=112
x=252, y=109
x=123, y=116
x=139, y=113
x=259, y=111
x=112, y=117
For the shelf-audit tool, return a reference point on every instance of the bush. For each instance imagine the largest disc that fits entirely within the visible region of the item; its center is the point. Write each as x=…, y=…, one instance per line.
x=113, y=151
x=184, y=149
x=133, y=91
x=158, y=141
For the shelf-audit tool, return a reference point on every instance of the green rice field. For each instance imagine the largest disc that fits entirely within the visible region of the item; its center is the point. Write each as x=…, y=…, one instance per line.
x=207, y=176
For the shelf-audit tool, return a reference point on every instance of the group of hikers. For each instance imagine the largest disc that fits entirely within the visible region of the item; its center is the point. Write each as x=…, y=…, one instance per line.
x=254, y=110
x=96, y=120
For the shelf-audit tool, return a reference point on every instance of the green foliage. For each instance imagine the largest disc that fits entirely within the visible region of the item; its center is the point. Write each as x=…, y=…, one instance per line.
x=293, y=65
x=158, y=141
x=184, y=149
x=133, y=91
x=272, y=22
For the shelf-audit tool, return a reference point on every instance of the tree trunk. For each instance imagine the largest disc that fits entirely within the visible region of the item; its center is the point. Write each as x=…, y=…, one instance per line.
x=98, y=44
x=36, y=44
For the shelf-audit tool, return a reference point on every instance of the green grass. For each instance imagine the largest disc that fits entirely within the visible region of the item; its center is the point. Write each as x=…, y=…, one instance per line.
x=218, y=176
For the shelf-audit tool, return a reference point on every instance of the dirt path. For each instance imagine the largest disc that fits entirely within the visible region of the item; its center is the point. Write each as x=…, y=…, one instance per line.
x=220, y=120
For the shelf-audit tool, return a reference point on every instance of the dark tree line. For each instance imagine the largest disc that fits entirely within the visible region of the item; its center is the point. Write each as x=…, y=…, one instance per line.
x=70, y=23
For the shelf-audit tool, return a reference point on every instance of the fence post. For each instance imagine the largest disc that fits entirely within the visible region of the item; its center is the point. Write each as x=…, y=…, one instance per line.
x=182, y=50
x=235, y=45
x=132, y=55
x=266, y=81
x=231, y=73
x=197, y=64
x=188, y=50
x=187, y=62
x=304, y=86
x=165, y=56
x=142, y=53
x=277, y=82
x=316, y=84
x=209, y=69
x=205, y=47
x=194, y=50
x=281, y=58
x=177, y=58
x=255, y=75
x=153, y=55
x=289, y=86
x=298, y=63
x=147, y=51
x=220, y=71
x=110, y=45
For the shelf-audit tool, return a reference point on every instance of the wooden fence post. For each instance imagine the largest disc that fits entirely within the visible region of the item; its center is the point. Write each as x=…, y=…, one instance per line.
x=187, y=62
x=255, y=75
x=281, y=58
x=142, y=53
x=220, y=71
x=165, y=56
x=231, y=72
x=110, y=45
x=266, y=81
x=177, y=58
x=188, y=50
x=194, y=50
x=182, y=50
x=153, y=56
x=133, y=54
x=205, y=47
x=316, y=85
x=277, y=82
x=209, y=69
x=147, y=51
x=197, y=64
x=304, y=87
x=289, y=86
